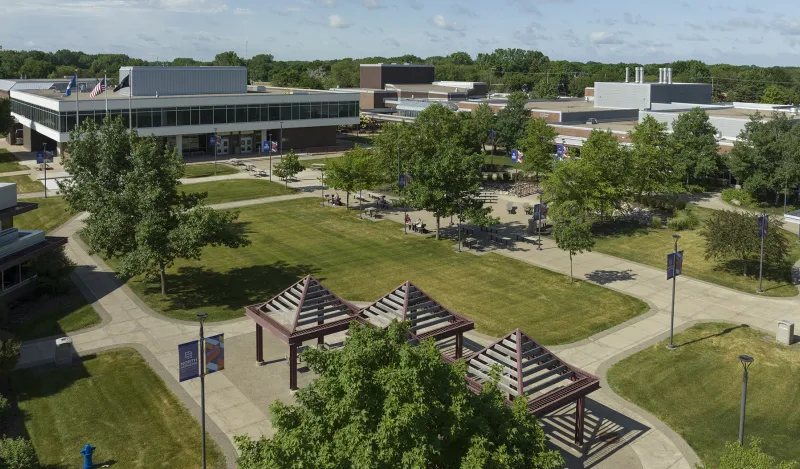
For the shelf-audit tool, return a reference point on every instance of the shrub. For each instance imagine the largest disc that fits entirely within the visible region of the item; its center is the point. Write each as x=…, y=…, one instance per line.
x=9, y=353
x=17, y=454
x=743, y=196
x=5, y=406
x=506, y=176
x=680, y=204
x=683, y=220
x=53, y=270
x=655, y=223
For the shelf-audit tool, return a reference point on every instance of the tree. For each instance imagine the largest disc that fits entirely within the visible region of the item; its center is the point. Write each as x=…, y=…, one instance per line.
x=129, y=185
x=732, y=234
x=355, y=170
x=775, y=94
x=6, y=121
x=258, y=67
x=484, y=121
x=545, y=89
x=537, y=146
x=651, y=162
x=33, y=68
x=511, y=121
x=288, y=167
x=602, y=174
x=228, y=59
x=572, y=232
x=380, y=402
x=392, y=151
x=694, y=145
x=737, y=456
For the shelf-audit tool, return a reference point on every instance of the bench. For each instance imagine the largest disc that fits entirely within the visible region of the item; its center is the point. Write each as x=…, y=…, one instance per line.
x=319, y=166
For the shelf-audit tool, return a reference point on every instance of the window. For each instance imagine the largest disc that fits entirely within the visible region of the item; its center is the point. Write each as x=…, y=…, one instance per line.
x=219, y=115
x=295, y=111
x=286, y=112
x=253, y=113
x=144, y=118
x=169, y=117
x=231, y=113
x=156, y=117
x=206, y=115
x=195, y=116
x=305, y=111
x=264, y=112
x=274, y=112
x=183, y=116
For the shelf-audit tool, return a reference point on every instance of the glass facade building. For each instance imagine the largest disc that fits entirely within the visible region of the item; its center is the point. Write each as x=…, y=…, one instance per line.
x=194, y=115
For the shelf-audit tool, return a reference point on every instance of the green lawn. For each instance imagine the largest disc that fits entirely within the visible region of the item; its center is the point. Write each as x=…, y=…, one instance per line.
x=362, y=260
x=696, y=389
x=114, y=401
x=207, y=169
x=651, y=247
x=52, y=213
x=360, y=139
x=769, y=208
x=45, y=317
x=24, y=183
x=308, y=163
x=9, y=163
x=237, y=189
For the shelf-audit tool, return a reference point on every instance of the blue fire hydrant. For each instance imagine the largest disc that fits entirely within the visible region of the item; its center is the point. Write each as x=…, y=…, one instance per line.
x=87, y=453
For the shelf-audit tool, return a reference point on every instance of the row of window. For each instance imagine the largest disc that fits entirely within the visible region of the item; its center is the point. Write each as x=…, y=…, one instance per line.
x=196, y=115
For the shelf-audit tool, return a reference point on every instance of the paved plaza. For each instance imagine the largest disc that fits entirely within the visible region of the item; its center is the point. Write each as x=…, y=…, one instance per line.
x=617, y=433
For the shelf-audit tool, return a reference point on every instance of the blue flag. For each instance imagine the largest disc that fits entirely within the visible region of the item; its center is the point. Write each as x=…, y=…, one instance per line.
x=73, y=83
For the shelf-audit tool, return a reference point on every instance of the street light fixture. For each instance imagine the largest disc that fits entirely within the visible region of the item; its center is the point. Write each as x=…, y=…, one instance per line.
x=202, y=317
x=671, y=346
x=746, y=362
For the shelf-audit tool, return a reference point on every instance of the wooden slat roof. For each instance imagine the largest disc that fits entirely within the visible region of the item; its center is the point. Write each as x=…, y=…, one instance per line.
x=407, y=302
x=530, y=369
x=304, y=310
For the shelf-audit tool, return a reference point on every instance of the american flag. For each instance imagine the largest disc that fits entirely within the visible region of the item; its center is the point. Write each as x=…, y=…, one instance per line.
x=100, y=88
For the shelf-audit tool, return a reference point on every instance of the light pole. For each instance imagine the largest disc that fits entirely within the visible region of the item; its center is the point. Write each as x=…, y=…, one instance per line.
x=459, y=227
x=763, y=226
x=746, y=362
x=323, y=187
x=44, y=160
x=202, y=317
x=400, y=186
x=539, y=220
x=215, y=151
x=671, y=346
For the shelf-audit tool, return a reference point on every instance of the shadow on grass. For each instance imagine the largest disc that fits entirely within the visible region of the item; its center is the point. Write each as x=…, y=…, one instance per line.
x=604, y=277
x=197, y=287
x=711, y=336
x=774, y=272
x=619, y=228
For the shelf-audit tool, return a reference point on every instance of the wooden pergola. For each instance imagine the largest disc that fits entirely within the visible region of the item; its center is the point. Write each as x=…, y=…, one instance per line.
x=427, y=317
x=532, y=370
x=304, y=311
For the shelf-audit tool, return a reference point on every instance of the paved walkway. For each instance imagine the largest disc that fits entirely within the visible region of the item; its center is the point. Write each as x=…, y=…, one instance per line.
x=640, y=440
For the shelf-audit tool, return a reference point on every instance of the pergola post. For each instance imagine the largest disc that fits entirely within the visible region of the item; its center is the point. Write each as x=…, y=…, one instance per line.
x=321, y=340
x=459, y=344
x=259, y=344
x=293, y=367
x=579, y=417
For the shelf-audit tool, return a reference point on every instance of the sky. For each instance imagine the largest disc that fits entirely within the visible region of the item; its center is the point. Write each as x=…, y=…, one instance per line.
x=646, y=31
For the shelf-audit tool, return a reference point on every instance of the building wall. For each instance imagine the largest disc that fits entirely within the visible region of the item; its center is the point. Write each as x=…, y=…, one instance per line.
x=375, y=99
x=550, y=116
x=729, y=127
x=600, y=114
x=309, y=137
x=695, y=93
x=165, y=81
x=377, y=76
x=33, y=140
x=584, y=133
x=622, y=95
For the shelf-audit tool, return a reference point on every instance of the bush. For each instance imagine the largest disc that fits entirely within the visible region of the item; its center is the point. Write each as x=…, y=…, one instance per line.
x=655, y=223
x=683, y=220
x=9, y=353
x=744, y=197
x=17, y=454
x=494, y=177
x=680, y=205
x=53, y=270
x=506, y=176
x=5, y=406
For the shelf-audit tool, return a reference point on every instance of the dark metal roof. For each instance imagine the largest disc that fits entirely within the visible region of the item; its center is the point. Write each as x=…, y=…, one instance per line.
x=530, y=369
x=50, y=243
x=19, y=209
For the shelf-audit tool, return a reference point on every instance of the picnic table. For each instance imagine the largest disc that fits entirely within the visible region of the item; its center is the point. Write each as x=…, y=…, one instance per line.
x=371, y=211
x=261, y=173
x=319, y=166
x=250, y=167
x=235, y=162
x=503, y=239
x=528, y=239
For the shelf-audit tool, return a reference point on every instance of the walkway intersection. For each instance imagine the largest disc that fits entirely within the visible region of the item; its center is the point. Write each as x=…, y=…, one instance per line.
x=619, y=435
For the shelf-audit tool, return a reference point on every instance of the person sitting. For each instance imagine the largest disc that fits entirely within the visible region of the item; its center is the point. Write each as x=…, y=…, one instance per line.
x=408, y=221
x=337, y=200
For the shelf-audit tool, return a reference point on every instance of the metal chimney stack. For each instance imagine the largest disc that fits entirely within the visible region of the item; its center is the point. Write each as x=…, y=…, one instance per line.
x=627, y=74
x=636, y=79
x=669, y=76
x=641, y=74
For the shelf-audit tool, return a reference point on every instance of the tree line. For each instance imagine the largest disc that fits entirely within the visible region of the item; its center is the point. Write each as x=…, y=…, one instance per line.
x=504, y=70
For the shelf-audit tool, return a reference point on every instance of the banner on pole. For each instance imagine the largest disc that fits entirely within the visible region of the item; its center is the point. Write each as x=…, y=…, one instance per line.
x=763, y=226
x=215, y=353
x=188, y=361
x=674, y=264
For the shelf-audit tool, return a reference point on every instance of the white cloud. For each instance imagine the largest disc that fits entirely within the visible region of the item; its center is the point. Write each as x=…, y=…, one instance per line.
x=603, y=37
x=242, y=11
x=371, y=4
x=336, y=21
x=636, y=20
x=442, y=23
x=329, y=3
x=691, y=37
x=787, y=27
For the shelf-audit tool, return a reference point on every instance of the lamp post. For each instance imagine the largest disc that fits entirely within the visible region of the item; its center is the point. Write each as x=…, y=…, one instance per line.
x=539, y=220
x=763, y=226
x=746, y=362
x=323, y=187
x=215, y=151
x=671, y=346
x=400, y=186
x=44, y=160
x=459, y=227
x=202, y=317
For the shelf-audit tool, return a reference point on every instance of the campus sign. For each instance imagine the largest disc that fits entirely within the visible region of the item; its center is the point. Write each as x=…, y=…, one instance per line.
x=188, y=361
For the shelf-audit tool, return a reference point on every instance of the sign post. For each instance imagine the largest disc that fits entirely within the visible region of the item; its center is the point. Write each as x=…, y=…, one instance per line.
x=763, y=229
x=674, y=268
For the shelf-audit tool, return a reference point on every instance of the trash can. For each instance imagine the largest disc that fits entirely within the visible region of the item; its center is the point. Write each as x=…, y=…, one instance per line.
x=63, y=351
x=785, y=333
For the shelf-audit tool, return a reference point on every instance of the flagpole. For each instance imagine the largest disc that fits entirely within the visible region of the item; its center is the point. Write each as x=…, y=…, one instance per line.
x=130, y=96
x=77, y=104
x=105, y=90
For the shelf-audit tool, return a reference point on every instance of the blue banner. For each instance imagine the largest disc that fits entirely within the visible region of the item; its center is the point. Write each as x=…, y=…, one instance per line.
x=215, y=353
x=188, y=360
x=763, y=226
x=674, y=264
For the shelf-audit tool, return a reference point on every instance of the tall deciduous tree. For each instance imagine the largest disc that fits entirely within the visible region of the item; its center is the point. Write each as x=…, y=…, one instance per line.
x=259, y=66
x=734, y=235
x=288, y=167
x=651, y=161
x=511, y=121
x=228, y=59
x=572, y=232
x=694, y=145
x=357, y=169
x=381, y=403
x=130, y=186
x=537, y=146
x=737, y=456
x=484, y=121
x=6, y=121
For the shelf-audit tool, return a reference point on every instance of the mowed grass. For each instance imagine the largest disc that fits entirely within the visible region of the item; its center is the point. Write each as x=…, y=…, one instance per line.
x=207, y=169
x=696, y=389
x=114, y=401
x=362, y=260
x=9, y=163
x=237, y=189
x=52, y=213
x=45, y=317
x=650, y=247
x=308, y=163
x=24, y=183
